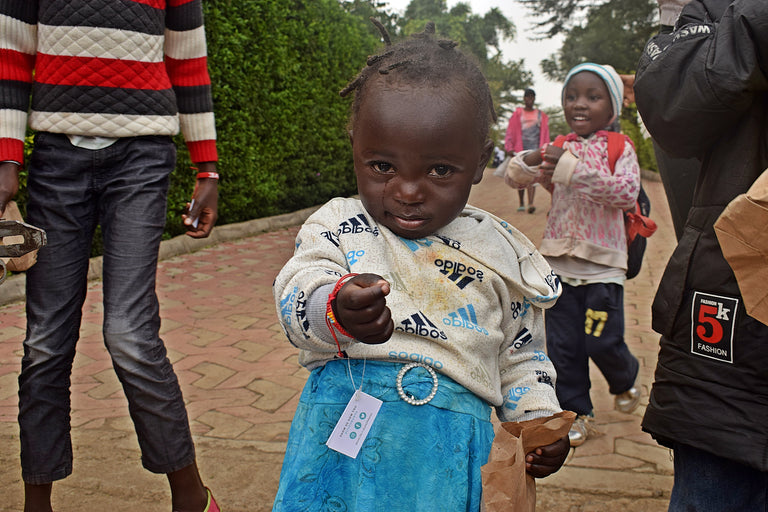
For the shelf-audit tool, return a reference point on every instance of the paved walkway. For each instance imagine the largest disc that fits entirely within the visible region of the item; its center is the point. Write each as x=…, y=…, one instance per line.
x=241, y=382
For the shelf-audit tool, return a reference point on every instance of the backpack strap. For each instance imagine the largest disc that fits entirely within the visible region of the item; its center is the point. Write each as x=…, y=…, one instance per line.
x=636, y=224
x=616, y=143
x=559, y=141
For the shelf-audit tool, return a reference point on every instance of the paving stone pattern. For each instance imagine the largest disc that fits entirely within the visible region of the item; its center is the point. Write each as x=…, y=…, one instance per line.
x=241, y=383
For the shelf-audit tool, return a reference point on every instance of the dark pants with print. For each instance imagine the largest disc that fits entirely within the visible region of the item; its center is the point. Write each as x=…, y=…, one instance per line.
x=587, y=322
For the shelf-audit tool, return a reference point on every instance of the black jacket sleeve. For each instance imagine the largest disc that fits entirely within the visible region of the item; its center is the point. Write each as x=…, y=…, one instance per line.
x=695, y=83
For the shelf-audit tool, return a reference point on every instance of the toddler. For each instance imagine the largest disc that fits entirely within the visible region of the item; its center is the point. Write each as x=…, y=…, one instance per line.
x=414, y=312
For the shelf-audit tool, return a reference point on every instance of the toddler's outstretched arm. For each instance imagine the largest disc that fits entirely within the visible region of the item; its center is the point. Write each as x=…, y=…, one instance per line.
x=545, y=460
x=361, y=308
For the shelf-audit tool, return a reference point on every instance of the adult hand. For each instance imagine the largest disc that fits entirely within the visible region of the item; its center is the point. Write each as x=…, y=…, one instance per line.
x=201, y=213
x=361, y=308
x=9, y=183
x=545, y=460
x=669, y=10
x=629, y=89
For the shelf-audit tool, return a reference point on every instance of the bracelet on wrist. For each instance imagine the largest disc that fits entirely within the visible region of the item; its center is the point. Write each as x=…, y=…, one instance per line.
x=330, y=317
x=211, y=175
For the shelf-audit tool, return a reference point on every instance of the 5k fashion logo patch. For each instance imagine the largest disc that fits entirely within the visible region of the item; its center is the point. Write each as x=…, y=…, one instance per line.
x=713, y=322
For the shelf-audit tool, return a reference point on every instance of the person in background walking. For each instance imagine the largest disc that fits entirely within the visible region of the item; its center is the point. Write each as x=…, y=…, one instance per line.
x=528, y=129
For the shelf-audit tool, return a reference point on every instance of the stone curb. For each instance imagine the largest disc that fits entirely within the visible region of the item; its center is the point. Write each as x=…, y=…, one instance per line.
x=13, y=289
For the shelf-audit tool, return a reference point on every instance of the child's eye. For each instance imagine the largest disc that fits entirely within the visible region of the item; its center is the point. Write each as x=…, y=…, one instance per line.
x=440, y=171
x=382, y=167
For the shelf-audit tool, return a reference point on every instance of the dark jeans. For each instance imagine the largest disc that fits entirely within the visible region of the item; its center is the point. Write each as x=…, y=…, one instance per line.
x=707, y=483
x=587, y=322
x=123, y=188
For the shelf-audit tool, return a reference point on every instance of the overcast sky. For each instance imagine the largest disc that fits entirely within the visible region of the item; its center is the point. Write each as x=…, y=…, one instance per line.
x=532, y=52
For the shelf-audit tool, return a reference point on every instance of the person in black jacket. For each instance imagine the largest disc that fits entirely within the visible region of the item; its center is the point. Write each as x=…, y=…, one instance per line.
x=702, y=91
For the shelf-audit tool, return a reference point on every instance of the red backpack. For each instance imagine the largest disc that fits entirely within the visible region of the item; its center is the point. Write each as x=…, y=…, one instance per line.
x=637, y=224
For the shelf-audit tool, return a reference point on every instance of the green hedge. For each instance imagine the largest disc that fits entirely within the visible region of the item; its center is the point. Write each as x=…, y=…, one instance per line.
x=276, y=69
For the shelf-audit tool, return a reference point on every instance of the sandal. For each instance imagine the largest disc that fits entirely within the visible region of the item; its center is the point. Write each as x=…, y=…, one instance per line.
x=211, y=506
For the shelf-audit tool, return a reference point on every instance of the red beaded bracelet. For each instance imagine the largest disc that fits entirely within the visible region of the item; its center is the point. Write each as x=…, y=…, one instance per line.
x=330, y=318
x=212, y=175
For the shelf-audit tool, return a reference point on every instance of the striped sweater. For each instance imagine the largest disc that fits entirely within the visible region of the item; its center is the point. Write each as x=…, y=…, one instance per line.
x=110, y=68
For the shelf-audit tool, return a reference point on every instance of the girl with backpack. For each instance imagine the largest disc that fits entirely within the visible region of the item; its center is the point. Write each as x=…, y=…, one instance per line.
x=585, y=243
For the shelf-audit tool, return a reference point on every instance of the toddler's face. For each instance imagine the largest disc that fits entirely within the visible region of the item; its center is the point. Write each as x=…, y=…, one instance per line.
x=417, y=153
x=587, y=103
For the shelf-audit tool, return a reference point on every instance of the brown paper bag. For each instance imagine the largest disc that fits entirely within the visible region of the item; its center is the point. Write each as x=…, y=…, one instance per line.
x=506, y=485
x=741, y=232
x=25, y=261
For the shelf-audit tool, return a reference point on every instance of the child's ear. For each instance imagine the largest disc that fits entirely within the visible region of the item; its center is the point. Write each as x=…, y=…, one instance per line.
x=349, y=134
x=485, y=157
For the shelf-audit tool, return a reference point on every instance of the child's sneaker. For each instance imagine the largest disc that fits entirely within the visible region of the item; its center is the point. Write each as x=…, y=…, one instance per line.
x=579, y=430
x=627, y=401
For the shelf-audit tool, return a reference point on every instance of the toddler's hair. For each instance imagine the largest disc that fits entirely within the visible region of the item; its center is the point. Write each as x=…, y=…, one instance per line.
x=424, y=60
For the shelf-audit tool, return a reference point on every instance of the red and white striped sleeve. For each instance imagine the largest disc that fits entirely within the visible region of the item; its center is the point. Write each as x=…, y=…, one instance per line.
x=18, y=41
x=187, y=63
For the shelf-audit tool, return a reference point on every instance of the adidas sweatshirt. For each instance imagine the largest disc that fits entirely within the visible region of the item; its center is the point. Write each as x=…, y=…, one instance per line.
x=110, y=68
x=467, y=301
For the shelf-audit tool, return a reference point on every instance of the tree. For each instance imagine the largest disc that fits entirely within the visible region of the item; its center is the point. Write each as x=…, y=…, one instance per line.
x=479, y=35
x=613, y=33
x=277, y=69
x=560, y=16
x=607, y=32
x=557, y=124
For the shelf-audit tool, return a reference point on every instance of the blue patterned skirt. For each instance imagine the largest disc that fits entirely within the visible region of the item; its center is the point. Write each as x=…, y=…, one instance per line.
x=424, y=458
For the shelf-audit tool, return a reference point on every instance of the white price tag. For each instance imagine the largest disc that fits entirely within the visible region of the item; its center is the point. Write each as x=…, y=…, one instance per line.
x=355, y=423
